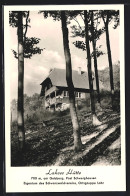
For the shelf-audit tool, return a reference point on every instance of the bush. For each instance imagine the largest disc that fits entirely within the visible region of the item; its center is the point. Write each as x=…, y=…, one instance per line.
x=62, y=113
x=106, y=99
x=39, y=116
x=84, y=106
x=14, y=125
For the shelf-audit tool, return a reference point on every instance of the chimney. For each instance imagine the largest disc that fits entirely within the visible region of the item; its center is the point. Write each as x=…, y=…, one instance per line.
x=51, y=69
x=79, y=70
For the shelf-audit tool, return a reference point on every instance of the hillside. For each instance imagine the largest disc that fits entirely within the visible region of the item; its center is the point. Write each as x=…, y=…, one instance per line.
x=51, y=142
x=105, y=78
x=49, y=136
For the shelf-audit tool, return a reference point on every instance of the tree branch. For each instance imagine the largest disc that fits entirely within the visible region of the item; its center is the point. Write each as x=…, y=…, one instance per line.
x=81, y=16
x=78, y=23
x=26, y=25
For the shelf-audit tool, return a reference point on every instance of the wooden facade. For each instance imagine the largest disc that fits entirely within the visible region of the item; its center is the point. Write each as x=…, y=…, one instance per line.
x=55, y=92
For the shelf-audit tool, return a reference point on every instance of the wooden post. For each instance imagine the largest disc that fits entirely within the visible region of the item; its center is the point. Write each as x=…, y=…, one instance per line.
x=55, y=100
x=49, y=102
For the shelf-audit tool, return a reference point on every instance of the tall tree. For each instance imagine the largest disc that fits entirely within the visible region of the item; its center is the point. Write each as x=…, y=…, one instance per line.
x=20, y=114
x=93, y=36
x=74, y=117
x=95, y=56
x=25, y=49
x=94, y=117
x=107, y=16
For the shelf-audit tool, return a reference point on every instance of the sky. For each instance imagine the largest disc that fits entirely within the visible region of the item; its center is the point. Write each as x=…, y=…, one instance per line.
x=50, y=33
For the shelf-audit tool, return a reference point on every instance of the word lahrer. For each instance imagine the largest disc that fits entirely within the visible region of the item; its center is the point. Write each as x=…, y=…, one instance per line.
x=57, y=172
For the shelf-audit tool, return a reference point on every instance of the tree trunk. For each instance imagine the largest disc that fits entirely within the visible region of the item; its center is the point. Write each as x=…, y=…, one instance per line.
x=94, y=117
x=20, y=115
x=73, y=113
x=95, y=58
x=110, y=63
x=11, y=121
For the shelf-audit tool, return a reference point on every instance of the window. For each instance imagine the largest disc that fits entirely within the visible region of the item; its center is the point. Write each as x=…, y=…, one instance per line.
x=78, y=94
x=66, y=94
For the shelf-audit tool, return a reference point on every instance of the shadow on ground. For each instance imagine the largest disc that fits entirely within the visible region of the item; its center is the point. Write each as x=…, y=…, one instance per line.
x=53, y=144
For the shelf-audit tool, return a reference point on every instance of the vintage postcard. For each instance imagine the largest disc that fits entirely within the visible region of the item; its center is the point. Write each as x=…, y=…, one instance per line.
x=64, y=98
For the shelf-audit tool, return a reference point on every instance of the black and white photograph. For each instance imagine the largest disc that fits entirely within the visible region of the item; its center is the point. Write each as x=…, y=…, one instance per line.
x=65, y=98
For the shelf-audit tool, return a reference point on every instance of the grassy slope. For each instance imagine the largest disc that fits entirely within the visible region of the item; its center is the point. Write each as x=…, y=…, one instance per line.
x=53, y=144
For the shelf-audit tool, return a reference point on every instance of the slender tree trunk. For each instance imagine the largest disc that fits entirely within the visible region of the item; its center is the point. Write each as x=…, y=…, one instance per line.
x=110, y=63
x=95, y=120
x=11, y=120
x=95, y=58
x=20, y=117
x=73, y=113
x=96, y=70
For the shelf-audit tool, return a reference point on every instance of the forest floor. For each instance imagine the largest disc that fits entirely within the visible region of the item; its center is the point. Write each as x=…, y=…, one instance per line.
x=51, y=143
